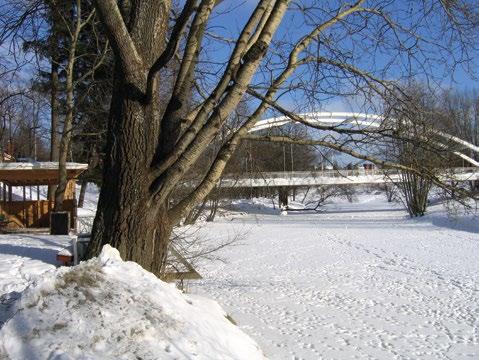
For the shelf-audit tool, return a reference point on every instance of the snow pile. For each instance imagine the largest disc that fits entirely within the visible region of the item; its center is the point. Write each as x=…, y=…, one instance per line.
x=109, y=309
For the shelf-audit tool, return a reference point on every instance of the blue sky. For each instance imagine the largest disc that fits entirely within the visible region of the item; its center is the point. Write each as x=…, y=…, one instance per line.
x=232, y=17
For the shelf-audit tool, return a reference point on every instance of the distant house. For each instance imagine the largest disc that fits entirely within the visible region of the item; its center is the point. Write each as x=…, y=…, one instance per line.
x=369, y=166
x=366, y=166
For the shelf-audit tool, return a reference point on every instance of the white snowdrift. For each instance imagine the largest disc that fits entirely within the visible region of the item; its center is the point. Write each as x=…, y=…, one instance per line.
x=110, y=309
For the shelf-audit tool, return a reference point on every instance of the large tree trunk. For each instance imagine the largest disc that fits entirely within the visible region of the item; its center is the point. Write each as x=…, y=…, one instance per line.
x=140, y=233
x=142, y=169
x=128, y=217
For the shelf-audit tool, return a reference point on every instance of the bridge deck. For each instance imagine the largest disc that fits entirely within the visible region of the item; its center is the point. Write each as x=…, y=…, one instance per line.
x=333, y=177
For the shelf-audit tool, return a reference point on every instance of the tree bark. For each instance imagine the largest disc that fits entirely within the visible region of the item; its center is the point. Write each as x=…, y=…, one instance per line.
x=283, y=197
x=128, y=217
x=81, y=197
x=142, y=168
x=70, y=98
x=54, y=149
x=415, y=191
x=65, y=140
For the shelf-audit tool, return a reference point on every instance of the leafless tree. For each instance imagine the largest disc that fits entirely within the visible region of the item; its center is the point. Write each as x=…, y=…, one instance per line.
x=390, y=190
x=417, y=114
x=305, y=50
x=75, y=24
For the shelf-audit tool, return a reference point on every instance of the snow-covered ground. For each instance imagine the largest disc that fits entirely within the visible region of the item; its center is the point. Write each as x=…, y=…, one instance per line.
x=356, y=281
x=22, y=258
x=359, y=281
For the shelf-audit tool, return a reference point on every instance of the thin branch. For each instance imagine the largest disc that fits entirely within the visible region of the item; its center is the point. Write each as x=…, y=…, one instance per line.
x=171, y=47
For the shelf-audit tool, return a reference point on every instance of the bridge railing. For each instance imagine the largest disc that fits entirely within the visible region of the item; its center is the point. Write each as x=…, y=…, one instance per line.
x=363, y=175
x=333, y=173
x=313, y=174
x=465, y=170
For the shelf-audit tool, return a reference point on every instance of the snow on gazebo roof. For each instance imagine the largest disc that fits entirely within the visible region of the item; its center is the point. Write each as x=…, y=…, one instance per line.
x=36, y=173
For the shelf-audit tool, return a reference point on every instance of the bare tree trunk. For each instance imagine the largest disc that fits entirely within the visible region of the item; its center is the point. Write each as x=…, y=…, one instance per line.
x=128, y=216
x=390, y=191
x=214, y=203
x=66, y=136
x=54, y=149
x=305, y=195
x=195, y=213
x=283, y=197
x=143, y=168
x=415, y=190
x=81, y=197
x=68, y=122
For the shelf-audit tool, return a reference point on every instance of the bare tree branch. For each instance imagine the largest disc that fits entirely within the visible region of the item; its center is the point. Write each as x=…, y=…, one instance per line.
x=119, y=37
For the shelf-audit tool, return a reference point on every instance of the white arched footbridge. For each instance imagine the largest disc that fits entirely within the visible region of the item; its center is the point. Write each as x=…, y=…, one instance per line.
x=371, y=122
x=338, y=120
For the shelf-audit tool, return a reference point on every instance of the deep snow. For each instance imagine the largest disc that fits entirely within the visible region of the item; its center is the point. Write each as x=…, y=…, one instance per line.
x=109, y=309
x=22, y=256
x=356, y=281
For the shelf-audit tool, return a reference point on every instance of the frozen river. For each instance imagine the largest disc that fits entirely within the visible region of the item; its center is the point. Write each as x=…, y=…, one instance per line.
x=360, y=281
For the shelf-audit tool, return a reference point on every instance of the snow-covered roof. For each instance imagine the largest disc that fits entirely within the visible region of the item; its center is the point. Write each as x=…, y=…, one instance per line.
x=36, y=173
x=40, y=165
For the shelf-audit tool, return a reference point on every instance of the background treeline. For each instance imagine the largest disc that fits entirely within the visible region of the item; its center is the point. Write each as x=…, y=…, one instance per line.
x=37, y=41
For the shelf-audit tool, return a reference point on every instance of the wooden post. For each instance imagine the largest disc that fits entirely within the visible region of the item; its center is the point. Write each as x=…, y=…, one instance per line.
x=283, y=196
x=25, y=222
x=75, y=206
x=70, y=190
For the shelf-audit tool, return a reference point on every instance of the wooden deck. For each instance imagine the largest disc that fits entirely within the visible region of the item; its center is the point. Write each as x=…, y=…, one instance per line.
x=33, y=213
x=17, y=211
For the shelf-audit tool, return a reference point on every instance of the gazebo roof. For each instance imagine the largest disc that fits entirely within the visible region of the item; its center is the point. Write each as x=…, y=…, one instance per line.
x=36, y=173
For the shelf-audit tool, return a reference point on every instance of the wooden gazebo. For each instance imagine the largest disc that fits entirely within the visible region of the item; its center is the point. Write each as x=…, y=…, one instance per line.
x=19, y=212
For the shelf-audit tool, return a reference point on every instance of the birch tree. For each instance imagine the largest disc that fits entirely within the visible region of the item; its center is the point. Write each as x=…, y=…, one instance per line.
x=79, y=19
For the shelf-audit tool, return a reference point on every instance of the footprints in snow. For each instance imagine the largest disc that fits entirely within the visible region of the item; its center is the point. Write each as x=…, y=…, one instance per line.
x=383, y=305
